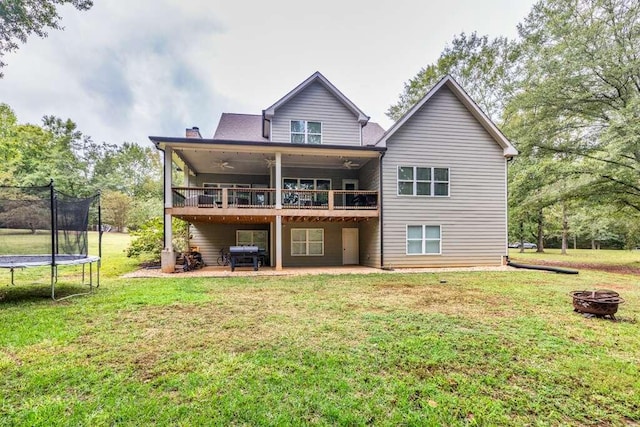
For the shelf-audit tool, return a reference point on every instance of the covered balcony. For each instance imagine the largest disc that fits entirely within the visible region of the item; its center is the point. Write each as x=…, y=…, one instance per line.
x=238, y=183
x=227, y=204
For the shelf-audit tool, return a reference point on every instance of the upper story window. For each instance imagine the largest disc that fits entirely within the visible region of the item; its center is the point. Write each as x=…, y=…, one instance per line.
x=422, y=181
x=304, y=132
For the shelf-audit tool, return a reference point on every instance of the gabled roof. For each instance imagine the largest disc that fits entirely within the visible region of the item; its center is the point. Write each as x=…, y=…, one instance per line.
x=240, y=127
x=508, y=149
x=317, y=77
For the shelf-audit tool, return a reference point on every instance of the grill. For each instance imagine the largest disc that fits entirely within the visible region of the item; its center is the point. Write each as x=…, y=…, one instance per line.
x=244, y=256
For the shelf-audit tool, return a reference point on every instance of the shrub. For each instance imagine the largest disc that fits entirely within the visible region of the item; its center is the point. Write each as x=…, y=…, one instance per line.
x=149, y=238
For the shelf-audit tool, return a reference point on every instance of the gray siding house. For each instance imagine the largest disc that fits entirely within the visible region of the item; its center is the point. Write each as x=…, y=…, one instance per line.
x=313, y=182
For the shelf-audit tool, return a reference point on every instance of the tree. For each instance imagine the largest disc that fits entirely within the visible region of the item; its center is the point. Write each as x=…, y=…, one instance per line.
x=116, y=206
x=9, y=147
x=48, y=152
x=598, y=224
x=20, y=19
x=486, y=68
x=143, y=210
x=582, y=83
x=128, y=168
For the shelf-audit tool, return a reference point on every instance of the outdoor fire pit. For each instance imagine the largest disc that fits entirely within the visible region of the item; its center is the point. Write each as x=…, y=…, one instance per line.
x=600, y=302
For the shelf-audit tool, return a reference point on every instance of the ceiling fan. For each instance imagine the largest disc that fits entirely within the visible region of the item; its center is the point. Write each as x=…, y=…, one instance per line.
x=350, y=164
x=224, y=165
x=270, y=163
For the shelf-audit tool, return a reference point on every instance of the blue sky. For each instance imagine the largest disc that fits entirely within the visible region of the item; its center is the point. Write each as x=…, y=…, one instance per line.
x=128, y=69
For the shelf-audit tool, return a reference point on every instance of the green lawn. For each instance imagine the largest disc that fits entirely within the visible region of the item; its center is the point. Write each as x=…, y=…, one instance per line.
x=24, y=242
x=580, y=256
x=472, y=348
x=114, y=263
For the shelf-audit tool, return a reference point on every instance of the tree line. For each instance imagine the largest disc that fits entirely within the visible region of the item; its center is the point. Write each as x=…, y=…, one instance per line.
x=566, y=92
x=128, y=176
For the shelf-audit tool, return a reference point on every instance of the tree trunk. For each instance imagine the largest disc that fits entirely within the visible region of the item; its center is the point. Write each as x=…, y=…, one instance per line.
x=565, y=230
x=521, y=237
x=575, y=242
x=540, y=232
x=593, y=244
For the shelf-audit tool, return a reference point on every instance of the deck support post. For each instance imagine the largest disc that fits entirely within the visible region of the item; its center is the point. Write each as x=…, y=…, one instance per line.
x=278, y=181
x=168, y=259
x=279, y=210
x=278, y=242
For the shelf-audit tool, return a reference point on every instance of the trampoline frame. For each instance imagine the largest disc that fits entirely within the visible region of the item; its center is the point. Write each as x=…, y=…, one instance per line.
x=29, y=261
x=13, y=262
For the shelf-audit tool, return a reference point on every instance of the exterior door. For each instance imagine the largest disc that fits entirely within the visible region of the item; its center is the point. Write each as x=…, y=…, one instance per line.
x=349, y=185
x=350, y=246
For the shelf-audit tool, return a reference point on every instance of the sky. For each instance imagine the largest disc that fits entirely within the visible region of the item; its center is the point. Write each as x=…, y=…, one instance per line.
x=125, y=70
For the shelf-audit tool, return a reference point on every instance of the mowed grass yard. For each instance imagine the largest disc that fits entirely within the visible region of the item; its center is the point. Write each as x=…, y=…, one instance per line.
x=464, y=348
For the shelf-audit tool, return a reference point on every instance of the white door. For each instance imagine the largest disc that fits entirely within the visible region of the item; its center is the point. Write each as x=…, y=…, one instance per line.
x=350, y=247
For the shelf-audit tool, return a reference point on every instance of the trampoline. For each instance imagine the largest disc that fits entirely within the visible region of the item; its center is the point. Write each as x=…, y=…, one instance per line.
x=40, y=226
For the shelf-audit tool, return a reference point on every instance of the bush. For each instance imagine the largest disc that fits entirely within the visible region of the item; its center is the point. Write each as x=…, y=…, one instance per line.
x=149, y=238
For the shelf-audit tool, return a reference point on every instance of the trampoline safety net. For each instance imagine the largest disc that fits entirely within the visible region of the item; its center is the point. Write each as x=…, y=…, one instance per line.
x=44, y=221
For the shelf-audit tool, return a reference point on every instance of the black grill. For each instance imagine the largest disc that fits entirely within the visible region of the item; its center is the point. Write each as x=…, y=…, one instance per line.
x=244, y=256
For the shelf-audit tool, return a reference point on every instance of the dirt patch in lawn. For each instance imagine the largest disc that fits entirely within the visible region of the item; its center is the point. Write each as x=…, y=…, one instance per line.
x=608, y=268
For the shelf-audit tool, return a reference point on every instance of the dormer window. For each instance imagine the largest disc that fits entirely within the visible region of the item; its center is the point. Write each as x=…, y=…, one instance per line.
x=304, y=132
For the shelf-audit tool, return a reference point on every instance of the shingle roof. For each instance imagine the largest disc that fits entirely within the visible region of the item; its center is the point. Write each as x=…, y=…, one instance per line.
x=240, y=127
x=248, y=127
x=371, y=133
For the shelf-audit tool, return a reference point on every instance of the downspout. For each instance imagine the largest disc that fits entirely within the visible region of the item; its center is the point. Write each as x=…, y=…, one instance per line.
x=506, y=202
x=381, y=214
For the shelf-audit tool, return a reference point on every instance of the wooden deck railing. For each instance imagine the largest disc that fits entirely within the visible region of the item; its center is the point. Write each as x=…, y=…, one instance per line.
x=206, y=197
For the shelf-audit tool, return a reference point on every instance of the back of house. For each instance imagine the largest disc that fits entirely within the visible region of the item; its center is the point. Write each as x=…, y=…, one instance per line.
x=312, y=182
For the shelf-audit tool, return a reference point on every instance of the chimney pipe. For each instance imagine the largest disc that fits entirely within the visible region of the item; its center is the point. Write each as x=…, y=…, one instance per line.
x=194, y=132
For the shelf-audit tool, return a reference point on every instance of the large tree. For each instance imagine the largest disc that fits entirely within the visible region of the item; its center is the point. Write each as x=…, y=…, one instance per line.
x=9, y=146
x=582, y=86
x=486, y=68
x=20, y=19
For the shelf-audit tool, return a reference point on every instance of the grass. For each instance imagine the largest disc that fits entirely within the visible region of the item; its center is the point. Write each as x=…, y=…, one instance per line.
x=24, y=242
x=628, y=258
x=467, y=348
x=114, y=262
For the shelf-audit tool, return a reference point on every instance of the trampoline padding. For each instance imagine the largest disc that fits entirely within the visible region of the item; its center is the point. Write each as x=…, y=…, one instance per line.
x=25, y=261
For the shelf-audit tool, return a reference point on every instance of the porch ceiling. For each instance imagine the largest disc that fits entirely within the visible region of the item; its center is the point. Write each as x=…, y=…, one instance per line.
x=239, y=162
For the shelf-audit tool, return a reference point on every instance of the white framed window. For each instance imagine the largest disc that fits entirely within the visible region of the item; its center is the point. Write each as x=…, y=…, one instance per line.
x=304, y=132
x=252, y=238
x=307, y=242
x=423, y=181
x=424, y=240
